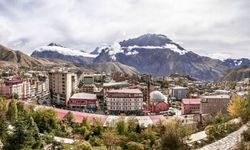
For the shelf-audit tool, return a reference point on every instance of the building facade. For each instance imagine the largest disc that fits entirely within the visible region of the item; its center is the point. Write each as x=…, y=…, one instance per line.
x=214, y=103
x=190, y=106
x=83, y=102
x=179, y=92
x=124, y=100
x=62, y=86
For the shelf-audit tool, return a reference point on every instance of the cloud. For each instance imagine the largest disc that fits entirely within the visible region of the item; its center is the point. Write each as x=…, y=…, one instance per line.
x=203, y=26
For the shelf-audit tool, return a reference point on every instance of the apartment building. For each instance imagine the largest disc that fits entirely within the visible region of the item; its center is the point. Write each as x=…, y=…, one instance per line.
x=214, y=103
x=4, y=89
x=62, y=85
x=87, y=88
x=179, y=92
x=124, y=100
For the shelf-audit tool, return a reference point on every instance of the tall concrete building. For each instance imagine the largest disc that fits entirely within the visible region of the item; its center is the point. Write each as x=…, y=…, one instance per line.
x=62, y=85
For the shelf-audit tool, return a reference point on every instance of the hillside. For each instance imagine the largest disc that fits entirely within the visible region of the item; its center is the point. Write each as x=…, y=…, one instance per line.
x=237, y=74
x=13, y=59
x=109, y=67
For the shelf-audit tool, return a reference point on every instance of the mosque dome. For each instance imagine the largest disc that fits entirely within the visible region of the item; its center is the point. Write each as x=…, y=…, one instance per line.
x=157, y=96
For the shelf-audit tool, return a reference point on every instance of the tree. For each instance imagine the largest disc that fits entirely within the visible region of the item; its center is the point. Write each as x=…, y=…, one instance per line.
x=3, y=127
x=82, y=145
x=25, y=136
x=14, y=96
x=12, y=111
x=121, y=126
x=69, y=118
x=164, y=84
x=219, y=118
x=3, y=105
x=97, y=127
x=173, y=135
x=3, y=121
x=45, y=119
x=85, y=122
x=149, y=136
x=132, y=124
x=135, y=146
x=111, y=140
x=20, y=107
x=238, y=107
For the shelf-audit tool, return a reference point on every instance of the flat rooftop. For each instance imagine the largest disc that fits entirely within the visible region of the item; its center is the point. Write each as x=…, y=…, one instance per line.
x=130, y=91
x=191, y=101
x=216, y=96
x=110, y=84
x=179, y=88
x=83, y=96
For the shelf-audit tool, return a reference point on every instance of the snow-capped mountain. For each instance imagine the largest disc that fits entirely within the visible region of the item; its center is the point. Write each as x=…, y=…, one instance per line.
x=232, y=63
x=147, y=41
x=56, y=51
x=158, y=55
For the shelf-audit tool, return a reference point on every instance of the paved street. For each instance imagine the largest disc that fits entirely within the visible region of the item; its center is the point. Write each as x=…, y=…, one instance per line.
x=227, y=142
x=197, y=137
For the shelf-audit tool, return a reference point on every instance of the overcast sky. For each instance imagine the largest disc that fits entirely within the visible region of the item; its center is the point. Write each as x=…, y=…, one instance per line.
x=218, y=28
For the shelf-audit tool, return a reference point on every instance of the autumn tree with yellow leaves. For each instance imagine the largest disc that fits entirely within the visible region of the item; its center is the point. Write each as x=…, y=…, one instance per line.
x=239, y=107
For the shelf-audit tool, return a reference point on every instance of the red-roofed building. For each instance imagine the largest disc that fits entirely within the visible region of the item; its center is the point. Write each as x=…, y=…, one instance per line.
x=190, y=106
x=83, y=101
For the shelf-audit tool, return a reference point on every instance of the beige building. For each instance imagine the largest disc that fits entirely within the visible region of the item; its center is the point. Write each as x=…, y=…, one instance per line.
x=124, y=100
x=62, y=85
x=214, y=103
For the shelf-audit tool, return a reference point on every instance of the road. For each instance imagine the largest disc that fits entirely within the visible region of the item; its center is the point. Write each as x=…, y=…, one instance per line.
x=227, y=142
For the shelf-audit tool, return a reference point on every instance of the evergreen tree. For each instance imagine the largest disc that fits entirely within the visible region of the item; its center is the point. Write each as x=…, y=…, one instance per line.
x=3, y=121
x=20, y=108
x=121, y=126
x=69, y=118
x=46, y=120
x=85, y=122
x=97, y=127
x=3, y=127
x=12, y=111
x=25, y=136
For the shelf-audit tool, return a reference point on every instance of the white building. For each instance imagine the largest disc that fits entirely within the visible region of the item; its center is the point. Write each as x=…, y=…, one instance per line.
x=124, y=100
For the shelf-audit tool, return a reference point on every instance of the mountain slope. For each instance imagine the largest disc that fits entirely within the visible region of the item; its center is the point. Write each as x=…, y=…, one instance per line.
x=237, y=74
x=232, y=63
x=109, y=67
x=158, y=55
x=55, y=51
x=15, y=59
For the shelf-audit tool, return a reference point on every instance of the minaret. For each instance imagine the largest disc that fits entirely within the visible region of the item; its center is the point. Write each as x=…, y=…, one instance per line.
x=148, y=90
